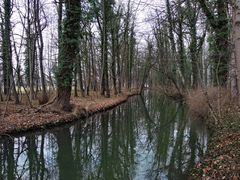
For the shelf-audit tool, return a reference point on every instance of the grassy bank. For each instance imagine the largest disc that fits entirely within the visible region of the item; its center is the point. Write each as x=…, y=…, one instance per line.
x=20, y=118
x=222, y=160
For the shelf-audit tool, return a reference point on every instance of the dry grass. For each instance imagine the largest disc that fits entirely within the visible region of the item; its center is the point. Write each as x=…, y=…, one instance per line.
x=170, y=91
x=215, y=99
x=222, y=158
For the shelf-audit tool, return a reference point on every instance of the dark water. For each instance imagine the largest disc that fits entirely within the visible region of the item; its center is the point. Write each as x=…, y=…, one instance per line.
x=145, y=138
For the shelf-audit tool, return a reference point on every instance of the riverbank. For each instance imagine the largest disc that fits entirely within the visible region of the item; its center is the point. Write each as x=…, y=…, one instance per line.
x=222, y=160
x=20, y=118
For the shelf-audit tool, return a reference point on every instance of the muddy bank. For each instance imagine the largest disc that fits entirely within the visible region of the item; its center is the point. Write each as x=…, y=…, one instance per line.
x=25, y=119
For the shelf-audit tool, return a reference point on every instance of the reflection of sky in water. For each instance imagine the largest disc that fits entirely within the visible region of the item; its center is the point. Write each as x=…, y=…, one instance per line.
x=137, y=140
x=50, y=150
x=145, y=155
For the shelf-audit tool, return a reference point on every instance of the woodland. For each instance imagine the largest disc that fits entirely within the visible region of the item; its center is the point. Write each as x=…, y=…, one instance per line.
x=59, y=56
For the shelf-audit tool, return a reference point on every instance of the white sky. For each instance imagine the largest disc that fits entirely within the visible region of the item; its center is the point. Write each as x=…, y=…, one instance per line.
x=144, y=12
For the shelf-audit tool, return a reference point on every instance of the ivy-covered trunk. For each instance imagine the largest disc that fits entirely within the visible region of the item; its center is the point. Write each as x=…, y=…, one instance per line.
x=219, y=21
x=195, y=44
x=222, y=55
x=8, y=78
x=236, y=42
x=105, y=89
x=67, y=55
x=6, y=56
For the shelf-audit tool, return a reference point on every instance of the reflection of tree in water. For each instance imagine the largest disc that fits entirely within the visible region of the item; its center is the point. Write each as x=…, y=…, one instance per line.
x=65, y=155
x=117, y=144
x=23, y=158
x=148, y=137
x=32, y=156
x=175, y=143
x=10, y=160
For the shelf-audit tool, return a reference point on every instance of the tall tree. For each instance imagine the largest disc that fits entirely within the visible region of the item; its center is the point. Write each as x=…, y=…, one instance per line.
x=5, y=46
x=132, y=43
x=60, y=16
x=180, y=42
x=125, y=52
x=68, y=54
x=114, y=32
x=196, y=42
x=148, y=64
x=39, y=28
x=9, y=83
x=217, y=17
x=30, y=60
x=192, y=21
x=236, y=41
x=171, y=27
x=106, y=6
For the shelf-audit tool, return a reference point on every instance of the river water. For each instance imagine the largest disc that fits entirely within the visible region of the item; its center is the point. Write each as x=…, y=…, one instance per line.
x=148, y=137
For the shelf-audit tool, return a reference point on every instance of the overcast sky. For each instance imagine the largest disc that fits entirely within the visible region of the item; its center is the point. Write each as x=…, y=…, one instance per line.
x=145, y=12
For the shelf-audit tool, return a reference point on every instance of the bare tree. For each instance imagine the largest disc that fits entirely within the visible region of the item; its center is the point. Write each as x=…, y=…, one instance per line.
x=39, y=28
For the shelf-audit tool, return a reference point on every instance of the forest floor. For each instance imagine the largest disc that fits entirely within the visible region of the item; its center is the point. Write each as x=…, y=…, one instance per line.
x=19, y=118
x=222, y=159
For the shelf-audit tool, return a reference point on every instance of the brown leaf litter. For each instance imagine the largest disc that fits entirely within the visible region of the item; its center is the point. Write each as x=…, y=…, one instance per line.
x=222, y=160
x=19, y=118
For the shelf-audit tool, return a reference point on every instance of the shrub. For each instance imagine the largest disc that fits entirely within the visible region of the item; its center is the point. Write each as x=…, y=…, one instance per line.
x=214, y=99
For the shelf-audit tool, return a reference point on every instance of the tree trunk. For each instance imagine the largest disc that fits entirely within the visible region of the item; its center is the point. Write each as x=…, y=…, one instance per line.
x=30, y=51
x=75, y=81
x=7, y=54
x=218, y=19
x=41, y=47
x=68, y=55
x=118, y=65
x=80, y=76
x=126, y=47
x=5, y=46
x=181, y=48
x=60, y=14
x=88, y=66
x=192, y=21
x=94, y=74
x=147, y=67
x=170, y=21
x=105, y=90
x=131, y=56
x=236, y=39
x=113, y=66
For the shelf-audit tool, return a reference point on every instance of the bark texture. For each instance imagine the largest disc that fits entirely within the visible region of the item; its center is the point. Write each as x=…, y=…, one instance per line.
x=68, y=55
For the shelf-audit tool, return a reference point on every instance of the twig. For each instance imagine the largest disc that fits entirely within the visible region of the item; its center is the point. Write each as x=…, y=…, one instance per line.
x=211, y=108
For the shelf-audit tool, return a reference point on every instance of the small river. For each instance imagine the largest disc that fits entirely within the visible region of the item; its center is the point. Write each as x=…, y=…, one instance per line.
x=147, y=138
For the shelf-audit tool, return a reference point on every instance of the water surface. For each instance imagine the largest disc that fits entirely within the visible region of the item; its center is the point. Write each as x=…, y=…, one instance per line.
x=148, y=137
